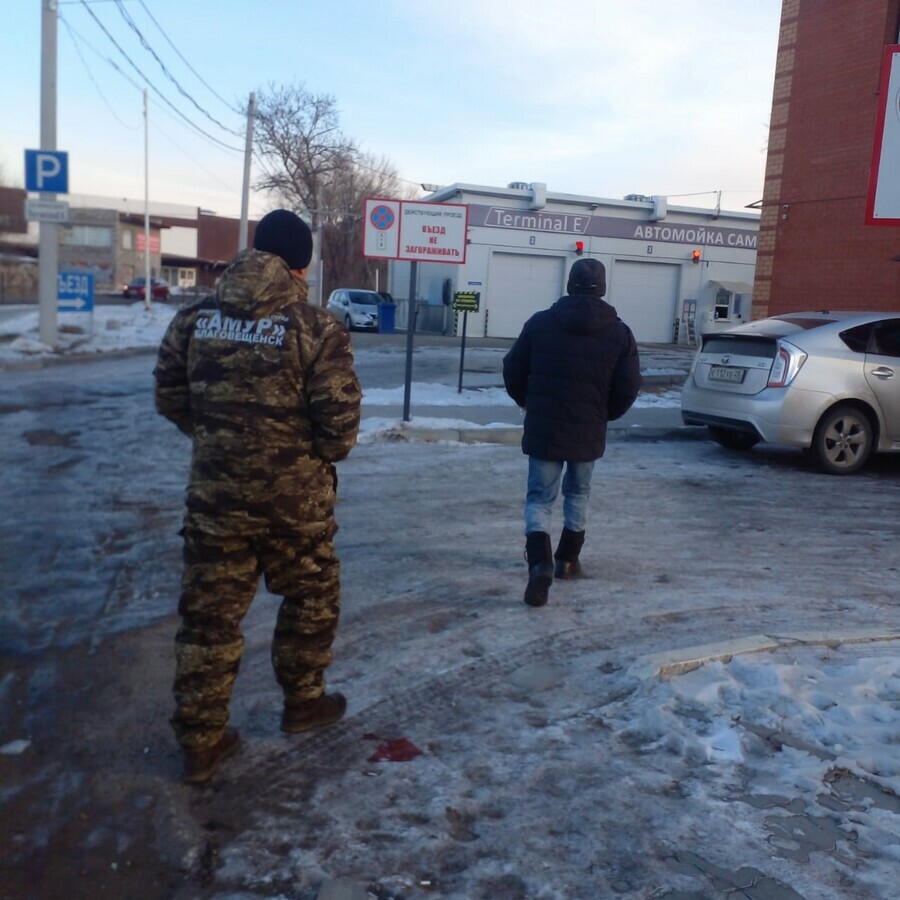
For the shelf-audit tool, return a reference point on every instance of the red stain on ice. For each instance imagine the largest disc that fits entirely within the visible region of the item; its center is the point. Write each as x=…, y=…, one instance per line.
x=393, y=750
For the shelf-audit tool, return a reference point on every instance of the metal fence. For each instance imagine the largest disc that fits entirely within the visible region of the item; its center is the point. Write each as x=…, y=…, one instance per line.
x=429, y=319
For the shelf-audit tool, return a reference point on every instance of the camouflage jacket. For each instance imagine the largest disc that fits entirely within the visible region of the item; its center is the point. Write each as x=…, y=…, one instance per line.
x=264, y=385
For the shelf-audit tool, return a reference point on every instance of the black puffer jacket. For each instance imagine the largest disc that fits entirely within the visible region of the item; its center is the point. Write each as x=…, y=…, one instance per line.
x=574, y=368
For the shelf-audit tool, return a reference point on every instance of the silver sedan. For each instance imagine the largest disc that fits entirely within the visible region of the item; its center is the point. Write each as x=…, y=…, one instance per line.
x=825, y=381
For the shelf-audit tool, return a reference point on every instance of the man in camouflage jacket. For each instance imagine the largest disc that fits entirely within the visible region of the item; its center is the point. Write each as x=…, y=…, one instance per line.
x=264, y=386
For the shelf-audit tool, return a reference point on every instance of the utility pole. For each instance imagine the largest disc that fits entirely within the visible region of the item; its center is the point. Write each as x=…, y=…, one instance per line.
x=48, y=246
x=148, y=289
x=245, y=190
x=320, y=233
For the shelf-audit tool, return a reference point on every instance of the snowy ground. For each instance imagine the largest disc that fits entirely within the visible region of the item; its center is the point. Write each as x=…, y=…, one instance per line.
x=565, y=752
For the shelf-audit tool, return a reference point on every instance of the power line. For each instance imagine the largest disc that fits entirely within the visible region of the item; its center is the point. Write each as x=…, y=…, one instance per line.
x=75, y=37
x=133, y=25
x=145, y=43
x=153, y=87
x=126, y=16
x=182, y=58
x=196, y=162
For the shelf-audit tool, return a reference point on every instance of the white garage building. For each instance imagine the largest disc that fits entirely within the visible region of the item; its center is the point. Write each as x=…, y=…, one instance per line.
x=672, y=271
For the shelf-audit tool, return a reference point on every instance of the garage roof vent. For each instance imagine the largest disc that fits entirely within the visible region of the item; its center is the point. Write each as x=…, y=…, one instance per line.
x=518, y=186
x=640, y=198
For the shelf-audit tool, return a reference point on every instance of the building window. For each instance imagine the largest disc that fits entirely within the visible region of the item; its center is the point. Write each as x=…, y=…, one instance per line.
x=86, y=236
x=722, y=307
x=180, y=277
x=127, y=239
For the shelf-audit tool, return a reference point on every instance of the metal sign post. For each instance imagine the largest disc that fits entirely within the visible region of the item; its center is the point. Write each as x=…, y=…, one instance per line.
x=414, y=230
x=411, y=316
x=464, y=302
x=48, y=176
x=462, y=351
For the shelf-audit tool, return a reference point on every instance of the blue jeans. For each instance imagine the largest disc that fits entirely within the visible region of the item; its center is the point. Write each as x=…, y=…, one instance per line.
x=544, y=478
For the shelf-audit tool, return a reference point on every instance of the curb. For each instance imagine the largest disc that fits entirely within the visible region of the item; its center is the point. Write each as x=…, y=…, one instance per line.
x=670, y=663
x=512, y=435
x=43, y=362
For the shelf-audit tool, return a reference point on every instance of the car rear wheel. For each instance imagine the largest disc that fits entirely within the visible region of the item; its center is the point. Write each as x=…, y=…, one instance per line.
x=843, y=440
x=733, y=440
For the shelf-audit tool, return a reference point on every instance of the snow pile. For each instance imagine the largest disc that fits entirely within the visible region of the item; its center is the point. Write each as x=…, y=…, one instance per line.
x=107, y=329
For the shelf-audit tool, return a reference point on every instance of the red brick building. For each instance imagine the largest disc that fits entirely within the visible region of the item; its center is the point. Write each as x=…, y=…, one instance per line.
x=815, y=250
x=188, y=246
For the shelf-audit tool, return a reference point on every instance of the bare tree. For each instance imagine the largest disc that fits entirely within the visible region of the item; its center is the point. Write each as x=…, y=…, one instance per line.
x=310, y=165
x=299, y=144
x=344, y=264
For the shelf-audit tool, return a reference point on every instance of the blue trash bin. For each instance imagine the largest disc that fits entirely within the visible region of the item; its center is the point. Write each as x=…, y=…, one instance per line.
x=386, y=317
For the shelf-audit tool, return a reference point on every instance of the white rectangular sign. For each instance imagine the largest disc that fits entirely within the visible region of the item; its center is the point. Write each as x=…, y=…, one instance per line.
x=413, y=230
x=883, y=205
x=47, y=211
x=381, y=228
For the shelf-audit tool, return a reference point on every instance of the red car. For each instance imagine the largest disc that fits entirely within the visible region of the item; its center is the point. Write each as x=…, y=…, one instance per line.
x=159, y=288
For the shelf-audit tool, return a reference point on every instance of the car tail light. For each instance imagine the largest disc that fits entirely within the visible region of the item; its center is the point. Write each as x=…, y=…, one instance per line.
x=787, y=363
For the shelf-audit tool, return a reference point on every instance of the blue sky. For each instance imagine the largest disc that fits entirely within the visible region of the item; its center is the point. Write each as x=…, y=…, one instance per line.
x=598, y=97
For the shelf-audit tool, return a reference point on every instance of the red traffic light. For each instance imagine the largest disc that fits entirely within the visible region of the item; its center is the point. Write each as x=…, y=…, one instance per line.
x=695, y=257
x=579, y=248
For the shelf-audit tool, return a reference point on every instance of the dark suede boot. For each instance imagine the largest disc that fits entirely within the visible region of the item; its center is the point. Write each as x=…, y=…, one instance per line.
x=566, y=556
x=539, y=553
x=201, y=765
x=324, y=710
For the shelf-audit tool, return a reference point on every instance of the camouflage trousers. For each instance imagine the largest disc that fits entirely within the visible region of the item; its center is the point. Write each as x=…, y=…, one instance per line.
x=221, y=576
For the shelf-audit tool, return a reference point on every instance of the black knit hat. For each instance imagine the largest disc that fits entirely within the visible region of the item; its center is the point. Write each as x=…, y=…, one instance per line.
x=587, y=276
x=286, y=235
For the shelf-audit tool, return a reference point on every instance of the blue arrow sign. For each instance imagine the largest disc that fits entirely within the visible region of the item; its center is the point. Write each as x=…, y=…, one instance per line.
x=75, y=292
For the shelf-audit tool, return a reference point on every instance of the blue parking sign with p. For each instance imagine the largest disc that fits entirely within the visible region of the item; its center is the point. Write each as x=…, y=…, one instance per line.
x=47, y=171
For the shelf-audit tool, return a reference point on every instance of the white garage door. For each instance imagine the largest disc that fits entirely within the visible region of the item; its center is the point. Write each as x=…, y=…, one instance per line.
x=645, y=296
x=518, y=286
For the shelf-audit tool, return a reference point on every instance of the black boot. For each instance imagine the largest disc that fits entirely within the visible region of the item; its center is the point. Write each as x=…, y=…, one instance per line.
x=566, y=556
x=539, y=553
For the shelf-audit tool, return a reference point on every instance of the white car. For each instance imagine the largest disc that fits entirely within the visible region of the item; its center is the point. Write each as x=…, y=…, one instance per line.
x=825, y=381
x=355, y=308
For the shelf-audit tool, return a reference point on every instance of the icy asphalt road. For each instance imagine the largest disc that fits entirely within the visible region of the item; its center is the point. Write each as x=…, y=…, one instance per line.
x=531, y=790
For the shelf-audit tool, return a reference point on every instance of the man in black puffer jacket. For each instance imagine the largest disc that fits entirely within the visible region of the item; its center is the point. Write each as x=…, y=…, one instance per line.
x=574, y=368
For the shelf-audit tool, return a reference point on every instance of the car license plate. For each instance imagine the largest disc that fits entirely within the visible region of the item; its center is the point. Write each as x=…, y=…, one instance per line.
x=731, y=374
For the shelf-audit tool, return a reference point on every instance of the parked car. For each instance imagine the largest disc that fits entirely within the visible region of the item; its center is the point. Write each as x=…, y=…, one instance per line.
x=159, y=288
x=355, y=308
x=825, y=381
